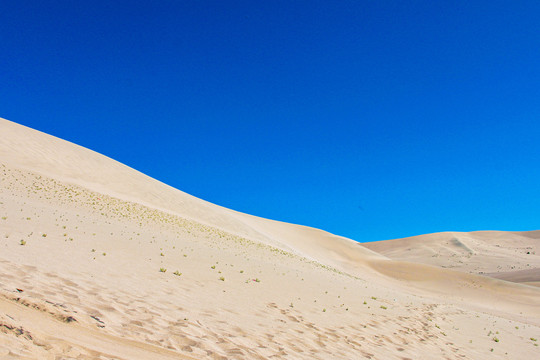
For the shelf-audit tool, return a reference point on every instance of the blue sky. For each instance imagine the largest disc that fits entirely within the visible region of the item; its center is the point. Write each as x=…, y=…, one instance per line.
x=369, y=119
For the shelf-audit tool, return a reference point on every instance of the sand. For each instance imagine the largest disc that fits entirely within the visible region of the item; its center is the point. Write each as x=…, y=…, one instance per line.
x=513, y=256
x=99, y=261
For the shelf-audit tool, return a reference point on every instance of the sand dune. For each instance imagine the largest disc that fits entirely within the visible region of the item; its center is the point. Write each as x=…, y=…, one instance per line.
x=520, y=276
x=101, y=261
x=477, y=252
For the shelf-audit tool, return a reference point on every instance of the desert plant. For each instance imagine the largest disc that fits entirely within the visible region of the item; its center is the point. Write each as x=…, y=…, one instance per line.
x=162, y=270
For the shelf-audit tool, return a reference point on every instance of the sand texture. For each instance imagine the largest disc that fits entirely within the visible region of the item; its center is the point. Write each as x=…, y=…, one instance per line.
x=99, y=261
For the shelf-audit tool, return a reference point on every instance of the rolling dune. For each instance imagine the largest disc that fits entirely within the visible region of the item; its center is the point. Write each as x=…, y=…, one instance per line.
x=478, y=252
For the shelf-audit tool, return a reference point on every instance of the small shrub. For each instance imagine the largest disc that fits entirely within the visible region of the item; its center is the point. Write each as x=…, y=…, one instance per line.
x=383, y=307
x=496, y=339
x=177, y=273
x=162, y=270
x=221, y=278
x=44, y=235
x=23, y=242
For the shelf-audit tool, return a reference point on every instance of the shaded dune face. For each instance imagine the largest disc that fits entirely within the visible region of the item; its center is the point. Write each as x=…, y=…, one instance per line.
x=460, y=245
x=101, y=261
x=519, y=276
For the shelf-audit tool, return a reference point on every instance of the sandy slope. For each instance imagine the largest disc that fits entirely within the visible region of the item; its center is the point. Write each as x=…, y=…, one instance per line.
x=512, y=256
x=529, y=276
x=83, y=238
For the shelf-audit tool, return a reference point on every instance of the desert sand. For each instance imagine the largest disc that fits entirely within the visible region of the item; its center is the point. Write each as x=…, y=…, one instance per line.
x=99, y=261
x=499, y=254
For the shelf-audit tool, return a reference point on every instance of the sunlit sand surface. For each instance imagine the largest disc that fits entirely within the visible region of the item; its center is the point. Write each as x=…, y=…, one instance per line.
x=99, y=261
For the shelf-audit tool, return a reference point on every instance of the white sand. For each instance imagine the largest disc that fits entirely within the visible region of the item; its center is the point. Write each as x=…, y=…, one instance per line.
x=96, y=234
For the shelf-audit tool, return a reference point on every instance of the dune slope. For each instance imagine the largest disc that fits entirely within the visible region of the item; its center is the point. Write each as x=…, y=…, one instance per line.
x=479, y=252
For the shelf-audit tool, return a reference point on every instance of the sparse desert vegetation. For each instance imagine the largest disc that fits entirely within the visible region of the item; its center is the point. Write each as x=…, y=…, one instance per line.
x=108, y=248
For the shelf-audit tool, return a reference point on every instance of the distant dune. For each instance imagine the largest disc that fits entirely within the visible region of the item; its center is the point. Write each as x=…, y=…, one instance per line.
x=479, y=252
x=529, y=276
x=100, y=261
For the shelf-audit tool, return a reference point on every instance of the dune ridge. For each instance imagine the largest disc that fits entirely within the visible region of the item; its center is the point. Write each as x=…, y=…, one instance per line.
x=48, y=155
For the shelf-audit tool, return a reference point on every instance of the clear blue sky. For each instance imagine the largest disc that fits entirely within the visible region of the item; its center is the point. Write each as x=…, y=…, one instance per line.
x=369, y=119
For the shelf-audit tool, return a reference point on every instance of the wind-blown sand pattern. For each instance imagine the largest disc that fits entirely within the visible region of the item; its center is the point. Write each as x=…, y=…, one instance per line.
x=99, y=261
